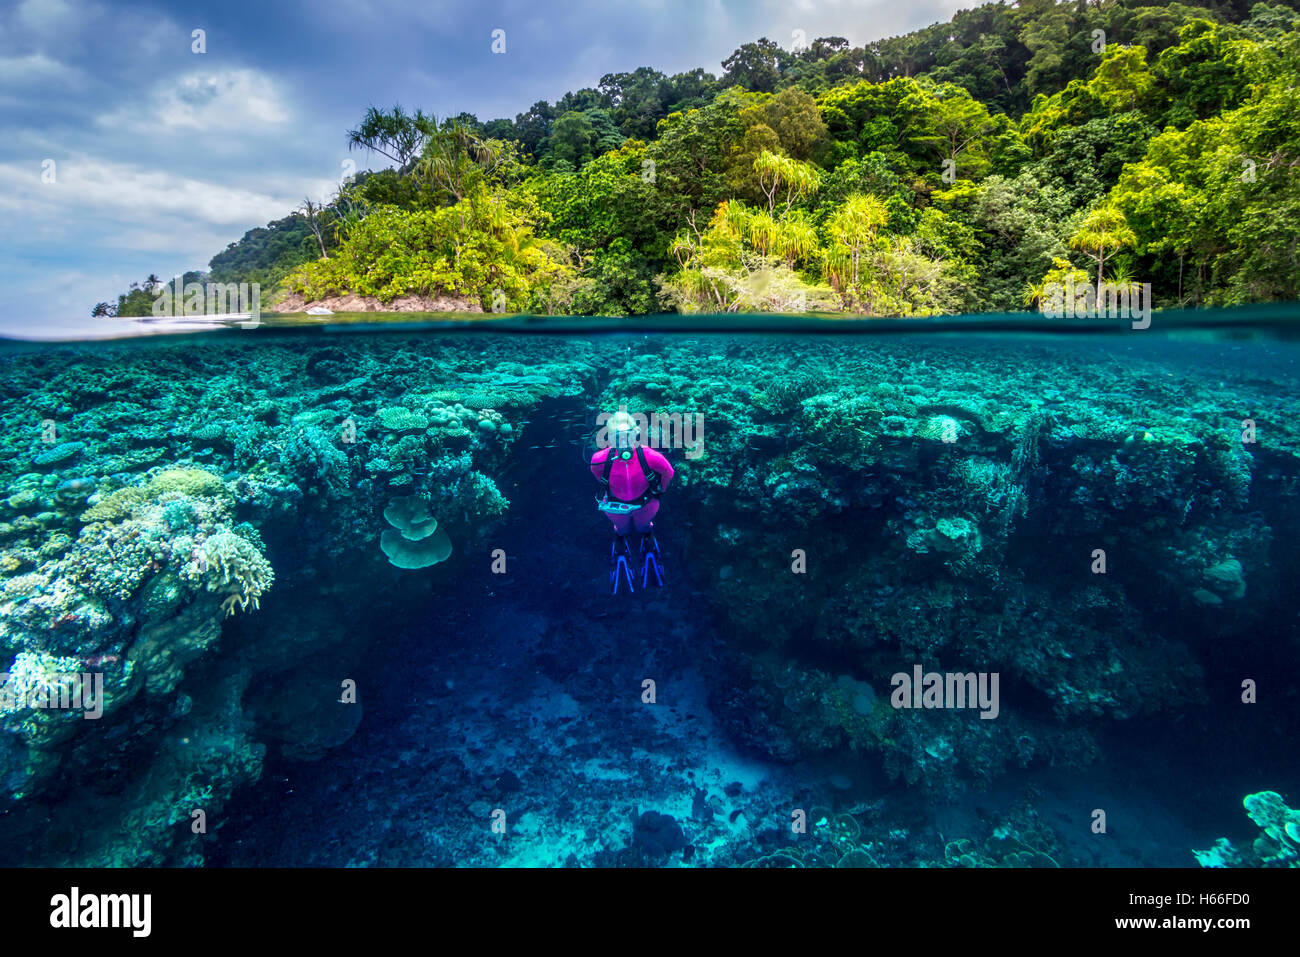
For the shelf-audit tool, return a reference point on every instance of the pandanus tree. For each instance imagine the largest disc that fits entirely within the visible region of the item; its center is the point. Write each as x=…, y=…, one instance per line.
x=456, y=159
x=1033, y=295
x=394, y=133
x=349, y=210
x=784, y=179
x=790, y=237
x=796, y=240
x=852, y=230
x=746, y=258
x=1104, y=230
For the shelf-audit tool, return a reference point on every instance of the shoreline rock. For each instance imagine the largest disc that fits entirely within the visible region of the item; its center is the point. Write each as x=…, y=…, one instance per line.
x=350, y=302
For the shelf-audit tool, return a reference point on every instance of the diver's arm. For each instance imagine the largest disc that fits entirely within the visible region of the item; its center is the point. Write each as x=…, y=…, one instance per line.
x=598, y=464
x=661, y=466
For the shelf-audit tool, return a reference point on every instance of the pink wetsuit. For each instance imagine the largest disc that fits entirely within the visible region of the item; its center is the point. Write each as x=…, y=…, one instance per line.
x=627, y=483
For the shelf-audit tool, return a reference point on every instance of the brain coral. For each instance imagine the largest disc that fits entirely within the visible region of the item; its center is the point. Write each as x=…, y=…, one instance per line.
x=122, y=503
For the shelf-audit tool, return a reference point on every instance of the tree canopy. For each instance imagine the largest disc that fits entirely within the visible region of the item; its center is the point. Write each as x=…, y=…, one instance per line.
x=956, y=167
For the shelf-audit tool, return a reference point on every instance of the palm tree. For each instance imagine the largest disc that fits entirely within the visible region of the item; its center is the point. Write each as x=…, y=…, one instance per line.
x=455, y=156
x=1123, y=276
x=796, y=239
x=762, y=232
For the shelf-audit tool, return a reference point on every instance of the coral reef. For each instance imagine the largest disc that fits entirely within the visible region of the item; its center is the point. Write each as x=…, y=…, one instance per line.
x=1278, y=844
x=849, y=512
x=184, y=482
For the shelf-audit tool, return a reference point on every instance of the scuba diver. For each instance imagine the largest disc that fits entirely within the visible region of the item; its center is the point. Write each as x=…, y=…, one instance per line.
x=632, y=477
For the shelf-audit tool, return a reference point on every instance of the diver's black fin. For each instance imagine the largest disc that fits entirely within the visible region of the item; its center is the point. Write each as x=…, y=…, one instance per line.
x=652, y=568
x=620, y=564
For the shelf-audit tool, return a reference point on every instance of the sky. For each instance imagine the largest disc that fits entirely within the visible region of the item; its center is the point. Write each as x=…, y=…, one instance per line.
x=128, y=152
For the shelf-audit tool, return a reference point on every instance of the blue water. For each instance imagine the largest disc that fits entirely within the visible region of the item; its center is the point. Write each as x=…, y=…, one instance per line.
x=523, y=693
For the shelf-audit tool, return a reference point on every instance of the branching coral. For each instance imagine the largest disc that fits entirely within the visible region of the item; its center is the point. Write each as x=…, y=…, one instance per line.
x=312, y=459
x=234, y=565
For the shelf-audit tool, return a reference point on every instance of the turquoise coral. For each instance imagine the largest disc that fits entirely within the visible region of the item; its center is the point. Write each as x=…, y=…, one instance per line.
x=1278, y=844
x=415, y=540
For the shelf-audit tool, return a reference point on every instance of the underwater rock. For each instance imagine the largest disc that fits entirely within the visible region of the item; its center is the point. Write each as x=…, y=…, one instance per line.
x=24, y=500
x=302, y=713
x=657, y=835
x=162, y=652
x=1227, y=578
x=72, y=492
x=353, y=302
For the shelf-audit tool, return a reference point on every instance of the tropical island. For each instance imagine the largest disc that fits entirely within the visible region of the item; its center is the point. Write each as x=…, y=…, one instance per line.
x=968, y=166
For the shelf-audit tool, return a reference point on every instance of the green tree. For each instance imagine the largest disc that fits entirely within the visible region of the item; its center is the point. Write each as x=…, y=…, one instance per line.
x=949, y=125
x=1122, y=81
x=1086, y=160
x=755, y=66
x=396, y=134
x=1208, y=72
x=579, y=137
x=692, y=155
x=638, y=100
x=1104, y=230
x=456, y=160
x=783, y=179
x=1214, y=206
x=1018, y=226
x=792, y=115
x=485, y=243
x=852, y=231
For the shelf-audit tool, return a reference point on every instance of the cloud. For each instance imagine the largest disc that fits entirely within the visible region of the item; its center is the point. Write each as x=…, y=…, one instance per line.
x=165, y=156
x=33, y=69
x=223, y=101
x=137, y=196
x=46, y=17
